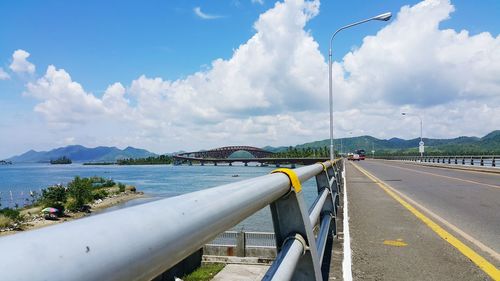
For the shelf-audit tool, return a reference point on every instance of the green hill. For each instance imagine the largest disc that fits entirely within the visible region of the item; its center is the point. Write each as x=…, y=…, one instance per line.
x=489, y=144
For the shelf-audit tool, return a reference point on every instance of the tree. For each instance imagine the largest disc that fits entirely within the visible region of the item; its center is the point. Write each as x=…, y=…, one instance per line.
x=80, y=191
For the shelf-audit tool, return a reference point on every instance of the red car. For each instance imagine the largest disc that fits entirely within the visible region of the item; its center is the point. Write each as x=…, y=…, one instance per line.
x=361, y=153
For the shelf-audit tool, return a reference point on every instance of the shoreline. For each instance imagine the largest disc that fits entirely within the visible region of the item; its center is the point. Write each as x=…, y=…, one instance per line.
x=36, y=220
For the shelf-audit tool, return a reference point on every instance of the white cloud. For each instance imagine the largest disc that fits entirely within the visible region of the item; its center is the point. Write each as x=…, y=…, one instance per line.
x=20, y=63
x=4, y=75
x=413, y=61
x=63, y=101
x=197, y=11
x=273, y=90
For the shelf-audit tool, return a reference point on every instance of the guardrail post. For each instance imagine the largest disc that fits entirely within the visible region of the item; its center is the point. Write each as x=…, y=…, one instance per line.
x=493, y=164
x=463, y=160
x=240, y=244
x=482, y=161
x=291, y=222
x=472, y=161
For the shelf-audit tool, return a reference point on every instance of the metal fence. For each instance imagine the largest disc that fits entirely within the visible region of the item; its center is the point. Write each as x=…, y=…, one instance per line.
x=142, y=242
x=252, y=239
x=467, y=160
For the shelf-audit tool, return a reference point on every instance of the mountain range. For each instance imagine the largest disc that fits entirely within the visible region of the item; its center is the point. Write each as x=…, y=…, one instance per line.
x=78, y=153
x=489, y=144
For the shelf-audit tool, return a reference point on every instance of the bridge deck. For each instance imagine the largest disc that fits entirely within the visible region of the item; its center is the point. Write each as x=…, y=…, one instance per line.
x=390, y=243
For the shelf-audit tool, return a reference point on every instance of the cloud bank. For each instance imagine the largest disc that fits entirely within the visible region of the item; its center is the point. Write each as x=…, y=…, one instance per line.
x=273, y=90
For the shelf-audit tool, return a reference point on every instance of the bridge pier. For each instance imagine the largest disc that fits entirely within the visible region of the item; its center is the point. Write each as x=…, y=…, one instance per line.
x=230, y=163
x=293, y=166
x=202, y=163
x=215, y=163
x=246, y=164
x=277, y=165
x=190, y=163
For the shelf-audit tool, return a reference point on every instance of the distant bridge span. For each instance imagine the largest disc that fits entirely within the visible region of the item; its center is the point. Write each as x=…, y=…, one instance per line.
x=221, y=155
x=225, y=152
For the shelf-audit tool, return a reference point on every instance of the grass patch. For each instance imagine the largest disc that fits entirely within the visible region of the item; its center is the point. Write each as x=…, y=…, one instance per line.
x=4, y=221
x=205, y=272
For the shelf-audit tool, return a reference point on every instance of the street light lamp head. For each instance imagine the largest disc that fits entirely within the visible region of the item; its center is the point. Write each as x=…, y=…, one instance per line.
x=384, y=16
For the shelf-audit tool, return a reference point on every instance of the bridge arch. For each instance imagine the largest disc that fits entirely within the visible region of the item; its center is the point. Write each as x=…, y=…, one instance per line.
x=226, y=151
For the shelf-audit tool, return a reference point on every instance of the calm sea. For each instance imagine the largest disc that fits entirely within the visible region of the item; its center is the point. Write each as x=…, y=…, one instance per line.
x=156, y=181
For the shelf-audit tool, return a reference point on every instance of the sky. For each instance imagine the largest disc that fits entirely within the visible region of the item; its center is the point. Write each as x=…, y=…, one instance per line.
x=188, y=75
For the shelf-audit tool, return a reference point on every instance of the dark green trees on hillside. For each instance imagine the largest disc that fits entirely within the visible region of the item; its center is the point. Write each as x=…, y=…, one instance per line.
x=162, y=159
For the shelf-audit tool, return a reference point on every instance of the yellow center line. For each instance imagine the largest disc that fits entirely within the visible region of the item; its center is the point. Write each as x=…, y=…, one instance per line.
x=442, y=176
x=481, y=262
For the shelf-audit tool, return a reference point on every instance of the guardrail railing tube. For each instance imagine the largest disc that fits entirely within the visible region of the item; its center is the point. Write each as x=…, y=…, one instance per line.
x=323, y=236
x=286, y=261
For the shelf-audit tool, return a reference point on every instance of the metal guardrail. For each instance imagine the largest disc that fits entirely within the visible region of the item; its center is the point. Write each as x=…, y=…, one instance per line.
x=470, y=160
x=142, y=242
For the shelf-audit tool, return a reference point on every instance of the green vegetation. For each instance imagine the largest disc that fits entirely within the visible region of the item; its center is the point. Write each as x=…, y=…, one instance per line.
x=308, y=152
x=55, y=197
x=80, y=191
x=158, y=160
x=61, y=160
x=74, y=197
x=489, y=144
x=99, y=163
x=9, y=216
x=205, y=272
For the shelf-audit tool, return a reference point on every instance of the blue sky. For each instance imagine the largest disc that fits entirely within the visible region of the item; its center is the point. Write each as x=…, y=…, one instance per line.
x=99, y=43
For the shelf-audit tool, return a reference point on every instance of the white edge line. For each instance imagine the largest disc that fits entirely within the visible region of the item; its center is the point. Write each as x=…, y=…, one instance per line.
x=347, y=262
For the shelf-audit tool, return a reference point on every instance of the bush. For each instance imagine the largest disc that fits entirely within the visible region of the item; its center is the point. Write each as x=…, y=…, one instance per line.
x=4, y=221
x=72, y=206
x=121, y=187
x=80, y=189
x=131, y=188
x=99, y=194
x=12, y=214
x=108, y=183
x=53, y=195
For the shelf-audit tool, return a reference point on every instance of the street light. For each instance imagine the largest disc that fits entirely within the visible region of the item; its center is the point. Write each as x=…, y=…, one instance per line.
x=421, y=143
x=382, y=17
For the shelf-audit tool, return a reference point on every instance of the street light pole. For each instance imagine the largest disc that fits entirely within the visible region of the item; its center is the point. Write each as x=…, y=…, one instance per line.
x=421, y=127
x=382, y=17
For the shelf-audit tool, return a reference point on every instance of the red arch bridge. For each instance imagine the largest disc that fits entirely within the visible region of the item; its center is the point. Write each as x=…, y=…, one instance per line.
x=222, y=155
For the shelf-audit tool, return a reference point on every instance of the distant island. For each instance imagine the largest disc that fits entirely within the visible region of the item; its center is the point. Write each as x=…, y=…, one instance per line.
x=61, y=160
x=4, y=162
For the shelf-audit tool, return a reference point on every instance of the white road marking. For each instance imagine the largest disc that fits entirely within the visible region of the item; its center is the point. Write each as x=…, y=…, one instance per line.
x=347, y=262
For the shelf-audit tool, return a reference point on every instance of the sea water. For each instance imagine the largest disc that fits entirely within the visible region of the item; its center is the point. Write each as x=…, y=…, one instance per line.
x=156, y=181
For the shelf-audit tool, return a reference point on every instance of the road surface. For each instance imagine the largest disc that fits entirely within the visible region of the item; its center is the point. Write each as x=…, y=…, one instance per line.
x=390, y=242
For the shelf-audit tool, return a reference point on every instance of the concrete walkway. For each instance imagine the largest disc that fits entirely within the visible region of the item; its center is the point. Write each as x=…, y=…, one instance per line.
x=241, y=272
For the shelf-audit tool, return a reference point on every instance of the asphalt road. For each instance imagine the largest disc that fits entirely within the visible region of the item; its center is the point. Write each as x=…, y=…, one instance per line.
x=468, y=200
